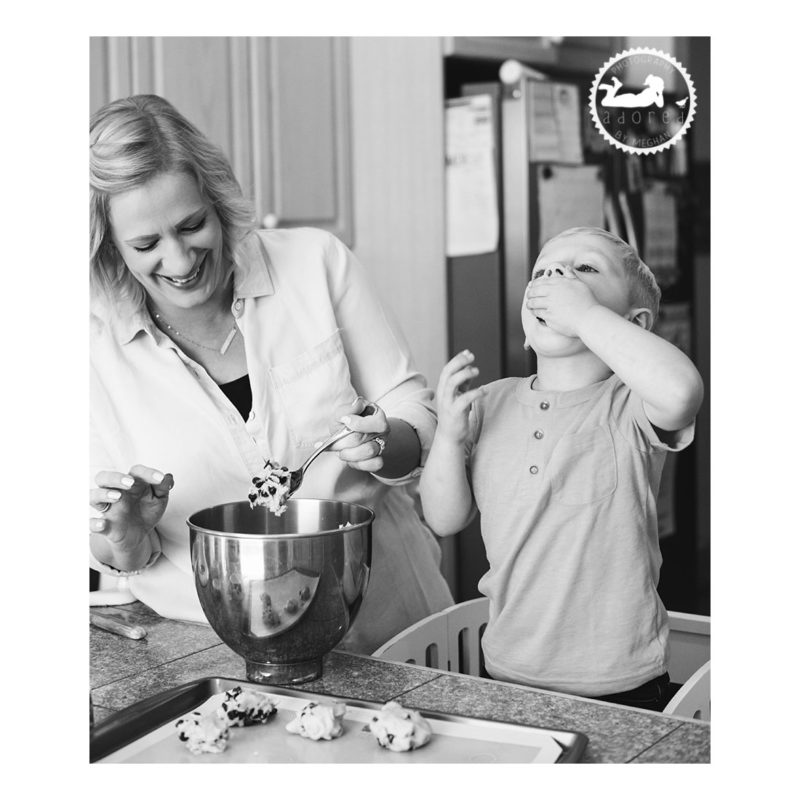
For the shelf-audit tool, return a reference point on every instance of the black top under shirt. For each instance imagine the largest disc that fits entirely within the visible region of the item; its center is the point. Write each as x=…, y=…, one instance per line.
x=240, y=394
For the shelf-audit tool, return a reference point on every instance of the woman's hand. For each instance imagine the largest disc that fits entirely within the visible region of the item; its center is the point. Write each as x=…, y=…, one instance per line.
x=454, y=397
x=363, y=449
x=131, y=505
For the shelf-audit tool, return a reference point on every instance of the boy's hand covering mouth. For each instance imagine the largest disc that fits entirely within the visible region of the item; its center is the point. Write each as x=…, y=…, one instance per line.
x=553, y=271
x=558, y=299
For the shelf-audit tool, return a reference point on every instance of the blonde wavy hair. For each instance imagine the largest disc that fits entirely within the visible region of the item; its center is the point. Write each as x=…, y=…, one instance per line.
x=130, y=142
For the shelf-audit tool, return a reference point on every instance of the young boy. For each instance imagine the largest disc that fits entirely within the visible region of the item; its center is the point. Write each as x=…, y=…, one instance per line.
x=564, y=467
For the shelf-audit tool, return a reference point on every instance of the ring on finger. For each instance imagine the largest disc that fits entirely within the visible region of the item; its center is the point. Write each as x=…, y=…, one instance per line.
x=103, y=507
x=381, y=442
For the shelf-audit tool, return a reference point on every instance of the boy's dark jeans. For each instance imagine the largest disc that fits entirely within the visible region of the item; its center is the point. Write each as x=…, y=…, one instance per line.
x=652, y=696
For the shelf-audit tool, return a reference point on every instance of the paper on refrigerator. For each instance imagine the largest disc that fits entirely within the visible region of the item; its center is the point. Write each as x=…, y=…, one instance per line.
x=554, y=122
x=473, y=224
x=568, y=197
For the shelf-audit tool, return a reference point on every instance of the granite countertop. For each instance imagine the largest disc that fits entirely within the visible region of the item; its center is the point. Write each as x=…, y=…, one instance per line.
x=125, y=671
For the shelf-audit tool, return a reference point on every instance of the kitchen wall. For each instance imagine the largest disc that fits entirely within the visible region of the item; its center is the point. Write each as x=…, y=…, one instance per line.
x=398, y=184
x=398, y=195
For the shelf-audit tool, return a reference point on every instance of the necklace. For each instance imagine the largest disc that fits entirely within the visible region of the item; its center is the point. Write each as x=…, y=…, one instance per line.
x=221, y=350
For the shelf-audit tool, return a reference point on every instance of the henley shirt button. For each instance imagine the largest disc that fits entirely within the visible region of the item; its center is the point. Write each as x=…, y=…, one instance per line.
x=538, y=434
x=533, y=470
x=544, y=405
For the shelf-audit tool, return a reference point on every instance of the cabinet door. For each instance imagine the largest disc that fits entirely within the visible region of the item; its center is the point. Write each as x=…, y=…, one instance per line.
x=301, y=133
x=99, y=90
x=204, y=77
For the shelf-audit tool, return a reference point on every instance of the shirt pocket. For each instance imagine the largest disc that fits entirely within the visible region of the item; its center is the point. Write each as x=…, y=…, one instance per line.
x=310, y=386
x=584, y=467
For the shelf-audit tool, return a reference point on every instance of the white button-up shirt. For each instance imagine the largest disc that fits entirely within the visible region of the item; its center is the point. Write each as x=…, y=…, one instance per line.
x=315, y=337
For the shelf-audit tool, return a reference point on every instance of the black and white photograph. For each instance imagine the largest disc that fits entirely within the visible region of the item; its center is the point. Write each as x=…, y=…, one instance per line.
x=418, y=427
x=399, y=398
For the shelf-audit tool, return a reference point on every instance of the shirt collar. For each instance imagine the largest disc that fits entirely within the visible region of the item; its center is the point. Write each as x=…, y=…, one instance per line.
x=529, y=395
x=251, y=278
x=252, y=268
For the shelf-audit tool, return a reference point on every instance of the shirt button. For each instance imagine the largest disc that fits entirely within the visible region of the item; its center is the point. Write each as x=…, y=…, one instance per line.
x=533, y=470
x=237, y=308
x=544, y=405
x=538, y=434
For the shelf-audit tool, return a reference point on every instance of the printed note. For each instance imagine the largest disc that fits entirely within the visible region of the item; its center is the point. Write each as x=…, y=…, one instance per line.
x=554, y=123
x=473, y=224
x=568, y=197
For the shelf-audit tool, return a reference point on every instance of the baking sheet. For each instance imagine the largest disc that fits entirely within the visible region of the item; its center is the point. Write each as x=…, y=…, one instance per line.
x=146, y=733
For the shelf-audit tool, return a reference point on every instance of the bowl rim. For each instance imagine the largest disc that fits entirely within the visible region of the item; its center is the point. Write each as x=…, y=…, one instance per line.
x=193, y=528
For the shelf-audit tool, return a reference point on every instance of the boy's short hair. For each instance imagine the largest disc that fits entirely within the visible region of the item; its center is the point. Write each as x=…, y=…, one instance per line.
x=643, y=285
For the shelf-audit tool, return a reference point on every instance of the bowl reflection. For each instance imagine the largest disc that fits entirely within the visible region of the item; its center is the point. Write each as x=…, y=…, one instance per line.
x=281, y=591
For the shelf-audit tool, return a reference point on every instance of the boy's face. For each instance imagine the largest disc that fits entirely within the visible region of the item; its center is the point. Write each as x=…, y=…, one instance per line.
x=596, y=262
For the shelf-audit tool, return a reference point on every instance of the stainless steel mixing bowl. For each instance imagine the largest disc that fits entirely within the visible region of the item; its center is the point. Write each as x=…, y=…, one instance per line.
x=281, y=591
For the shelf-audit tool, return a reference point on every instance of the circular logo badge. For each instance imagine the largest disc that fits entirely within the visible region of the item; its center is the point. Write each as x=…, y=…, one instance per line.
x=642, y=116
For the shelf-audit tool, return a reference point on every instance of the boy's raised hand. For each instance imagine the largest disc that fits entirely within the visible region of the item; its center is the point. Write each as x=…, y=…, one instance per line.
x=454, y=397
x=561, y=301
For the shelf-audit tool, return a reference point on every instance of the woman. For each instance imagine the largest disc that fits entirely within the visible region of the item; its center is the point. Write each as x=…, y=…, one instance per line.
x=215, y=347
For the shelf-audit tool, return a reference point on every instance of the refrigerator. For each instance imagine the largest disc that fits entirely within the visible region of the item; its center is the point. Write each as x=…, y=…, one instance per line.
x=524, y=152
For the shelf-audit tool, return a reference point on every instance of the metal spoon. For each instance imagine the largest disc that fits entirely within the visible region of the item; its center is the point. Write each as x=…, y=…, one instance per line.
x=296, y=475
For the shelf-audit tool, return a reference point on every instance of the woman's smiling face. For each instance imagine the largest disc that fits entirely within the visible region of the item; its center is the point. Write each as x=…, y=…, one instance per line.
x=170, y=238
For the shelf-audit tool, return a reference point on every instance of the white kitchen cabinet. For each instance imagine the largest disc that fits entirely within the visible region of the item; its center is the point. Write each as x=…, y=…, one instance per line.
x=304, y=177
x=277, y=106
x=398, y=175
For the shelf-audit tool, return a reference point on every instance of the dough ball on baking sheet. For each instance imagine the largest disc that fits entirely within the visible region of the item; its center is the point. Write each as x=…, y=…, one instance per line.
x=318, y=721
x=246, y=707
x=399, y=729
x=203, y=734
